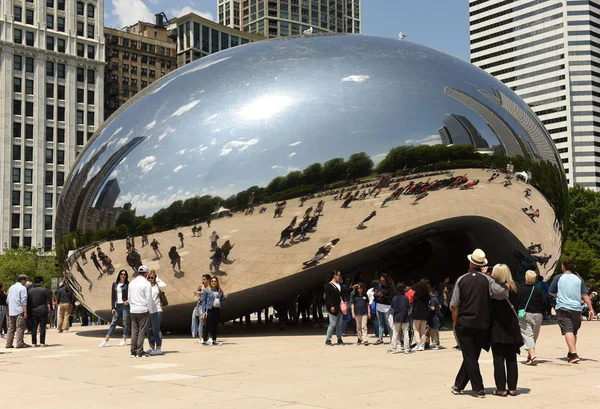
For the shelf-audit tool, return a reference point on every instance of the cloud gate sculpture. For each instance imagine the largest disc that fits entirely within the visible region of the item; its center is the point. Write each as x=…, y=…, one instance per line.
x=439, y=156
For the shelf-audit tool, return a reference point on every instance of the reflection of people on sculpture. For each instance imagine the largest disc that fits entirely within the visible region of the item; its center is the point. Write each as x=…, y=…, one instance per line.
x=535, y=248
x=543, y=260
x=470, y=184
x=347, y=202
x=154, y=246
x=83, y=257
x=227, y=246
x=175, y=259
x=419, y=197
x=308, y=211
x=217, y=258
x=527, y=193
x=322, y=253
x=362, y=224
x=285, y=235
x=301, y=230
x=212, y=300
x=293, y=222
x=320, y=207
x=493, y=177
x=112, y=246
x=94, y=259
x=134, y=259
x=120, y=308
x=85, y=277
x=180, y=235
x=213, y=240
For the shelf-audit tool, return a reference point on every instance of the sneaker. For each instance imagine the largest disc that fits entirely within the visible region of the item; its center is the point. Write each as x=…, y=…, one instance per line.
x=379, y=342
x=340, y=342
x=36, y=345
x=23, y=346
x=104, y=344
x=479, y=394
x=457, y=348
x=455, y=391
x=143, y=356
x=573, y=359
x=123, y=343
x=209, y=342
x=149, y=351
x=133, y=356
x=419, y=348
x=217, y=343
x=358, y=342
x=392, y=351
x=157, y=352
x=434, y=347
x=366, y=343
x=407, y=350
x=43, y=345
x=328, y=343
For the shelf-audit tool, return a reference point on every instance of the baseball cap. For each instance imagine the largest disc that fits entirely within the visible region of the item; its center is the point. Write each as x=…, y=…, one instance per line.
x=143, y=269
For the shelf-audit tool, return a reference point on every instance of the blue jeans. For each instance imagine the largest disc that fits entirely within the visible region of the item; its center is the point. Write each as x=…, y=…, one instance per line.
x=335, y=322
x=122, y=311
x=383, y=318
x=154, y=333
x=375, y=324
x=197, y=323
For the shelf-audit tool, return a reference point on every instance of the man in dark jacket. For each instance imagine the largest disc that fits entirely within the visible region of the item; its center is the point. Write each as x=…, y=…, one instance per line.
x=333, y=298
x=399, y=308
x=39, y=304
x=65, y=304
x=471, y=315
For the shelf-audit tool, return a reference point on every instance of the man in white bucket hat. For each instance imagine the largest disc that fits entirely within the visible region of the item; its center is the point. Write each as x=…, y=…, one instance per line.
x=471, y=311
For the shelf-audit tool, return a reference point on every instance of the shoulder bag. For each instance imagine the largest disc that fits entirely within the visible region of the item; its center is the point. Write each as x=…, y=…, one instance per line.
x=162, y=297
x=343, y=305
x=521, y=313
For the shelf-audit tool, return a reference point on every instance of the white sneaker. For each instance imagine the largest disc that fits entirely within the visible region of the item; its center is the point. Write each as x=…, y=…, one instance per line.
x=217, y=343
x=149, y=351
x=156, y=352
x=209, y=342
x=407, y=350
x=123, y=343
x=420, y=348
x=104, y=344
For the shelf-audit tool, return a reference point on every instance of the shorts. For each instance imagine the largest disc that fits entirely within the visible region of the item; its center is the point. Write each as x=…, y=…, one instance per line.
x=568, y=321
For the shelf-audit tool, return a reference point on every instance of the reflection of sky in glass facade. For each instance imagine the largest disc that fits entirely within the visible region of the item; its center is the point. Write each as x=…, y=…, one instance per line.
x=246, y=115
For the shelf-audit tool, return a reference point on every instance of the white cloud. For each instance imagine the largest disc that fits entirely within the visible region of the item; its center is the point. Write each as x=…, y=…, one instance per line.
x=295, y=143
x=122, y=141
x=214, y=141
x=129, y=12
x=181, y=152
x=160, y=138
x=187, y=9
x=147, y=164
x=182, y=110
x=292, y=169
x=355, y=78
x=292, y=154
x=150, y=125
x=428, y=140
x=276, y=167
x=378, y=158
x=239, y=145
x=202, y=148
x=178, y=168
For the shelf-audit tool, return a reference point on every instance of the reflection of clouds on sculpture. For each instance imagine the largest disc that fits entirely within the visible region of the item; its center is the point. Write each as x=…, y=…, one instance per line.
x=147, y=164
x=150, y=125
x=355, y=78
x=178, y=168
x=265, y=107
x=182, y=110
x=428, y=140
x=239, y=145
x=292, y=154
x=295, y=143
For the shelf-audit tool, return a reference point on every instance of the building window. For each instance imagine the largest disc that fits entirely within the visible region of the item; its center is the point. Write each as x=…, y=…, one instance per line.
x=27, y=223
x=144, y=59
x=144, y=72
x=80, y=141
x=29, y=64
x=17, y=85
x=80, y=7
x=50, y=4
x=61, y=93
x=134, y=69
x=29, y=39
x=29, y=87
x=62, y=46
x=60, y=115
x=49, y=90
x=28, y=199
x=60, y=157
x=60, y=134
x=50, y=22
x=91, y=97
x=29, y=17
x=61, y=24
x=50, y=112
x=17, y=128
x=60, y=178
x=91, y=77
x=49, y=177
x=18, y=36
x=29, y=154
x=80, y=117
x=61, y=5
x=61, y=71
x=48, y=222
x=49, y=155
x=49, y=69
x=18, y=14
x=47, y=244
x=80, y=74
x=80, y=50
x=80, y=29
x=49, y=134
x=17, y=110
x=16, y=197
x=16, y=152
x=152, y=74
x=16, y=175
x=90, y=31
x=48, y=200
x=16, y=221
x=29, y=109
x=144, y=84
x=91, y=10
x=18, y=63
x=80, y=94
x=28, y=131
x=152, y=60
x=90, y=118
x=50, y=43
x=28, y=176
x=91, y=52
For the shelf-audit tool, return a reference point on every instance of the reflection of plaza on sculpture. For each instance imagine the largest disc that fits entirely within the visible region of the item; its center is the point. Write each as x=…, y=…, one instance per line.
x=377, y=163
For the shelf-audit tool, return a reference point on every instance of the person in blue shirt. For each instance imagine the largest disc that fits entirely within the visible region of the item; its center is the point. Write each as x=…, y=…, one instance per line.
x=569, y=289
x=399, y=308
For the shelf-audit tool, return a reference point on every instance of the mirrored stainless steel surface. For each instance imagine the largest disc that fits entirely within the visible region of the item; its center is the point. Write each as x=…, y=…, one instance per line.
x=231, y=135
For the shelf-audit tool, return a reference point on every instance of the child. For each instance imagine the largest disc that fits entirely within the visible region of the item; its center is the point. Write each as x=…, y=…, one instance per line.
x=399, y=307
x=434, y=321
x=361, y=313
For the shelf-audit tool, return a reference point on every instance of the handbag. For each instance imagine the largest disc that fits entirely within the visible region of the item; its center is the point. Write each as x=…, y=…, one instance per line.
x=521, y=313
x=343, y=307
x=162, y=297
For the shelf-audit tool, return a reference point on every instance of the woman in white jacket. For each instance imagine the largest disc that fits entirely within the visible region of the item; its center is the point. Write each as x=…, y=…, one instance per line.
x=154, y=333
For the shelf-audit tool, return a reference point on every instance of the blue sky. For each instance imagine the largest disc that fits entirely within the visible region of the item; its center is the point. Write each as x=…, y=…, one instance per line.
x=442, y=24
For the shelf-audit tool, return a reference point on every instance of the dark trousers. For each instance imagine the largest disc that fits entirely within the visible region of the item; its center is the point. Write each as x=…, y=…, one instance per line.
x=212, y=322
x=505, y=366
x=471, y=342
x=139, y=326
x=40, y=320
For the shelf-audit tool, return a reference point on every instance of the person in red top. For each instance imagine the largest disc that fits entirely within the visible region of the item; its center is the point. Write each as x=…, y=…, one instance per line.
x=410, y=293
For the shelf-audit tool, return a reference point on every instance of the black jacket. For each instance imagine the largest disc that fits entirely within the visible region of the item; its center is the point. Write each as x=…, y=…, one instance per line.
x=505, y=324
x=38, y=299
x=537, y=303
x=387, y=293
x=65, y=295
x=113, y=297
x=332, y=298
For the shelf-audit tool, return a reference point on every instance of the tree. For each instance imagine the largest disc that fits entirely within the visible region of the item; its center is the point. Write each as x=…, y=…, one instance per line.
x=313, y=173
x=334, y=170
x=127, y=217
x=359, y=165
x=26, y=261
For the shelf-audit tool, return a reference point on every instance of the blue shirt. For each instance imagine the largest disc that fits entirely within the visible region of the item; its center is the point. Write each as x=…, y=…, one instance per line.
x=568, y=289
x=17, y=296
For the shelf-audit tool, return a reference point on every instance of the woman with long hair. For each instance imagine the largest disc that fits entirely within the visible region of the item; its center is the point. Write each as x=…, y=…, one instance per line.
x=383, y=297
x=212, y=299
x=533, y=302
x=120, y=308
x=420, y=314
x=155, y=309
x=175, y=259
x=505, y=334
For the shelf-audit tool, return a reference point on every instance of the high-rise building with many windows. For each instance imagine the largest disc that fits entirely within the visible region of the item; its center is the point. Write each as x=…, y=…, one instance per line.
x=283, y=18
x=548, y=52
x=51, y=81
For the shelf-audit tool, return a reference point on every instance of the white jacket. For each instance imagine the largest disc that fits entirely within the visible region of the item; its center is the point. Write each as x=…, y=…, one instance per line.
x=155, y=305
x=139, y=295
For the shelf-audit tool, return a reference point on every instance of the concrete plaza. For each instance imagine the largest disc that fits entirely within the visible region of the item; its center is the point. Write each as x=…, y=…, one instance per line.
x=263, y=367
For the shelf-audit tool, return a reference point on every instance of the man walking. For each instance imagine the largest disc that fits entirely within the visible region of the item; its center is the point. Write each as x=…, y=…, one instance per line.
x=65, y=303
x=17, y=312
x=471, y=312
x=569, y=289
x=139, y=297
x=39, y=302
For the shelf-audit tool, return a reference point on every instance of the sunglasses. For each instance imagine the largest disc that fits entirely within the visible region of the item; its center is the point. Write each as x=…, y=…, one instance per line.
x=151, y=278
x=122, y=274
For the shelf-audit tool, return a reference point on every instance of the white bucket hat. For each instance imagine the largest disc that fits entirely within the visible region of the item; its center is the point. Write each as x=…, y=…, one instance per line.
x=478, y=258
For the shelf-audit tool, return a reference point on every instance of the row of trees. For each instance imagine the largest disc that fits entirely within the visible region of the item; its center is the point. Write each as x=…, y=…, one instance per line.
x=26, y=261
